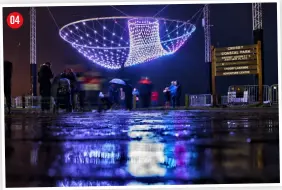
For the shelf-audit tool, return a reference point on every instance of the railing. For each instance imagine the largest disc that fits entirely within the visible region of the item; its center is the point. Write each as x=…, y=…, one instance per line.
x=273, y=93
x=247, y=94
x=224, y=100
x=199, y=100
x=29, y=102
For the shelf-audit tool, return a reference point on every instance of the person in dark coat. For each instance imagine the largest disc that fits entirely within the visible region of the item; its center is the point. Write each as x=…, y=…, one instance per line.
x=69, y=74
x=145, y=92
x=45, y=74
x=80, y=90
x=116, y=96
x=178, y=93
x=112, y=93
x=8, y=71
x=23, y=101
x=128, y=96
x=167, y=97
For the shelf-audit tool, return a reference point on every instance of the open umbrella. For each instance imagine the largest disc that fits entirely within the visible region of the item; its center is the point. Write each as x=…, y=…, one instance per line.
x=117, y=81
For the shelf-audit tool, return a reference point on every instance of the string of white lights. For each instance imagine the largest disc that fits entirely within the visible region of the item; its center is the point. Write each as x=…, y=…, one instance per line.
x=116, y=41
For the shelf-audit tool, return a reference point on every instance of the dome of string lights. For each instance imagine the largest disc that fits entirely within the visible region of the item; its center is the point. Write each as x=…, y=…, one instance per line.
x=116, y=42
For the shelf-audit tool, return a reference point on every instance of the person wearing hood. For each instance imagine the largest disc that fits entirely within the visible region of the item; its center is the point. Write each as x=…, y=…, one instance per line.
x=8, y=71
x=69, y=74
x=45, y=74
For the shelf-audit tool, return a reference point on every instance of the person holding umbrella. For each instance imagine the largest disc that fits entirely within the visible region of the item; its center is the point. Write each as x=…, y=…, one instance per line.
x=114, y=92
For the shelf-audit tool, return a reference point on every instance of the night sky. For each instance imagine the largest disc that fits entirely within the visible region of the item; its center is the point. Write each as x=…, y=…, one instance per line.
x=232, y=25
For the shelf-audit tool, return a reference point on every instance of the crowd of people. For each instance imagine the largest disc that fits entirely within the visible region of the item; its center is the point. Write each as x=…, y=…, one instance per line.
x=143, y=97
x=66, y=90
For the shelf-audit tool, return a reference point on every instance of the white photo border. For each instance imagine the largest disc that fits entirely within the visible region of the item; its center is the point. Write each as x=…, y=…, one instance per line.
x=23, y=3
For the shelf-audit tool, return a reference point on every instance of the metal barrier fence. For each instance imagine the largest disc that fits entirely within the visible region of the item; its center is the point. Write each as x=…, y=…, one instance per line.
x=28, y=102
x=224, y=100
x=199, y=100
x=247, y=94
x=273, y=93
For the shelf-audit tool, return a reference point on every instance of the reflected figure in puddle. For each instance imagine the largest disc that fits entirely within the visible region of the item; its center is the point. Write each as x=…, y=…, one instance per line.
x=8, y=135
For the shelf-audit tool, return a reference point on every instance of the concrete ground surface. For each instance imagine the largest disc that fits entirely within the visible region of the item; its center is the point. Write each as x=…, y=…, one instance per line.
x=117, y=148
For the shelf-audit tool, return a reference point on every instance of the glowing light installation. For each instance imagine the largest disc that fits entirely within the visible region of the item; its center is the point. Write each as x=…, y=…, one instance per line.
x=115, y=41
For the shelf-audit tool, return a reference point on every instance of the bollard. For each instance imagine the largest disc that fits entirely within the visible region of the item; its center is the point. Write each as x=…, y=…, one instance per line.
x=23, y=101
x=134, y=102
x=186, y=101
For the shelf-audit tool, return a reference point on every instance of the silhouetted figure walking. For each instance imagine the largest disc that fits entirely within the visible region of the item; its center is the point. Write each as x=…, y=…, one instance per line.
x=23, y=101
x=44, y=76
x=80, y=90
x=8, y=70
x=128, y=96
x=69, y=74
x=145, y=92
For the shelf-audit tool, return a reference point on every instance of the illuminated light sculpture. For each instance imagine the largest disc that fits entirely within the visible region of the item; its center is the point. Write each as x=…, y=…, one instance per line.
x=113, y=42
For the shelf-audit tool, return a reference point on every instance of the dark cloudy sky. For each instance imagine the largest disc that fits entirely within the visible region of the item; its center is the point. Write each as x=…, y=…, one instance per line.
x=232, y=25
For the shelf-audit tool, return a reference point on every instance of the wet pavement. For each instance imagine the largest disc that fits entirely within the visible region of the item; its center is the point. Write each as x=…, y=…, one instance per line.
x=142, y=148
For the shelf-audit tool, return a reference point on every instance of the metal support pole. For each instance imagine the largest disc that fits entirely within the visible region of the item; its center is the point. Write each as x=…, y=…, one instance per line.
x=33, y=65
x=259, y=68
x=258, y=33
x=213, y=74
x=207, y=34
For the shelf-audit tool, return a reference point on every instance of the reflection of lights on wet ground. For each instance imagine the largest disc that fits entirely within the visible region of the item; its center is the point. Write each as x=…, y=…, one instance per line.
x=106, y=153
x=140, y=131
x=83, y=183
x=135, y=183
x=34, y=155
x=145, y=156
x=145, y=159
x=235, y=124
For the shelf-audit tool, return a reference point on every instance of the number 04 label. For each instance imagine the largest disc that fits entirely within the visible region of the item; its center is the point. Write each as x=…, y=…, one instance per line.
x=15, y=20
